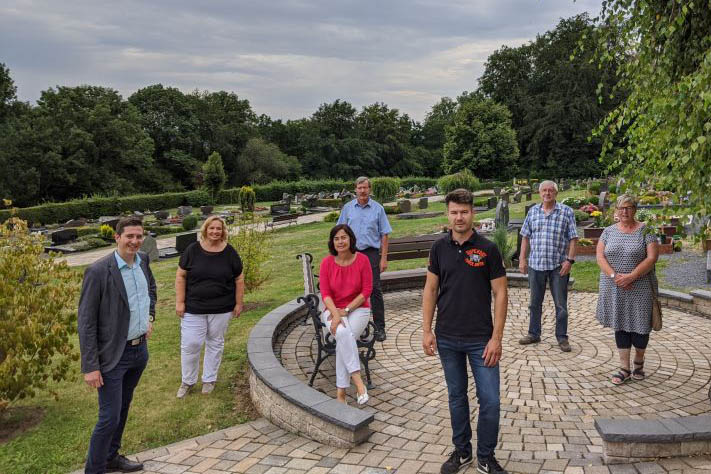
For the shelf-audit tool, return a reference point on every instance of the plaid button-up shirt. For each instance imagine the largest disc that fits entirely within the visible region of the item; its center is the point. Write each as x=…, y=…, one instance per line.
x=549, y=235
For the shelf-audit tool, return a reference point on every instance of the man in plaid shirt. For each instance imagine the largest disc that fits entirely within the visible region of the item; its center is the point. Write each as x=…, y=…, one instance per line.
x=549, y=231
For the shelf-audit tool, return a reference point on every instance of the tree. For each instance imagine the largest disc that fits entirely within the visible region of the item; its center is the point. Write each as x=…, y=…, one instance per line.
x=261, y=162
x=662, y=53
x=213, y=175
x=481, y=140
x=8, y=91
x=433, y=135
x=37, y=314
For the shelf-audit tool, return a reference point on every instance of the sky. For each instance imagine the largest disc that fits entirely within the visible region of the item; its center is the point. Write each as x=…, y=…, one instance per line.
x=285, y=56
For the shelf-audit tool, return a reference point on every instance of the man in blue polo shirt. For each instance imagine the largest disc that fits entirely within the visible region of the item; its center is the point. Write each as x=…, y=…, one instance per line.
x=370, y=225
x=464, y=270
x=549, y=229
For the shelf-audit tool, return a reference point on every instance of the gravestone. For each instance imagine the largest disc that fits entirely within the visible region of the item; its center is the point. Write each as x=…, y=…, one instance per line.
x=75, y=222
x=310, y=201
x=64, y=236
x=528, y=208
x=529, y=196
x=279, y=208
x=505, y=197
x=497, y=191
x=206, y=210
x=502, y=214
x=299, y=198
x=517, y=196
x=404, y=205
x=161, y=215
x=185, y=211
x=150, y=246
x=604, y=186
x=183, y=240
x=620, y=183
x=602, y=201
x=491, y=202
x=423, y=203
x=110, y=221
x=322, y=195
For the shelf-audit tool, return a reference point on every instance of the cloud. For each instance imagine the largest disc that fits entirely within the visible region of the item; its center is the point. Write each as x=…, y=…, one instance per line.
x=285, y=56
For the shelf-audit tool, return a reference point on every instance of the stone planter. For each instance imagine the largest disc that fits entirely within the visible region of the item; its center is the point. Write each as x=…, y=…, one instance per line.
x=206, y=210
x=161, y=215
x=592, y=232
x=585, y=249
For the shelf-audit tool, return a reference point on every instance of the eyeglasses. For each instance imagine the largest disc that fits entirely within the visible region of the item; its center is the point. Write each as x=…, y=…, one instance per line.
x=626, y=208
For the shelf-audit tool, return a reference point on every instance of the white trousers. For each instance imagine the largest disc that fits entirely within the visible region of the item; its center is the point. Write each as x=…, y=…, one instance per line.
x=347, y=360
x=196, y=330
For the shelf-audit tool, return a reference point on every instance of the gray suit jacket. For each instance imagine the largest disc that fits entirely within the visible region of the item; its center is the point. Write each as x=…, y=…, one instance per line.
x=104, y=313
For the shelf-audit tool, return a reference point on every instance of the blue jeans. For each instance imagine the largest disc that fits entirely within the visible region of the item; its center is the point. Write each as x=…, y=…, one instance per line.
x=559, y=290
x=114, y=400
x=454, y=354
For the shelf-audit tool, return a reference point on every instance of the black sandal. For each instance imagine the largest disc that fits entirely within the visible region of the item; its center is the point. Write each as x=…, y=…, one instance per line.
x=621, y=376
x=638, y=372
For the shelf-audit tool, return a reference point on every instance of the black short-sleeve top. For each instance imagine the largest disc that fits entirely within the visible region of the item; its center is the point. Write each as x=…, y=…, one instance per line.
x=210, y=282
x=465, y=272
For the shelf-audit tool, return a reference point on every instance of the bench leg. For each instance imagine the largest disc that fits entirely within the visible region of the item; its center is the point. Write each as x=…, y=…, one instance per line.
x=319, y=360
x=364, y=359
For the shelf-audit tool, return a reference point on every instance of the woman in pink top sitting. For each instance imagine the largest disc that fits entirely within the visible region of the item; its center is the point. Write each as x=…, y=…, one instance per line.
x=346, y=281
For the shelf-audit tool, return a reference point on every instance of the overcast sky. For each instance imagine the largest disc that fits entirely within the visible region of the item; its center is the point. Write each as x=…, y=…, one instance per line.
x=285, y=56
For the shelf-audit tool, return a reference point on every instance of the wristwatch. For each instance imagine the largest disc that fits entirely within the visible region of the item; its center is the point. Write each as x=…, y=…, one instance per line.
x=347, y=310
x=570, y=260
x=612, y=275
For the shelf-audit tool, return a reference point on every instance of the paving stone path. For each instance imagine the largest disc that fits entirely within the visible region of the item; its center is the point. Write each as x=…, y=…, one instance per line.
x=549, y=401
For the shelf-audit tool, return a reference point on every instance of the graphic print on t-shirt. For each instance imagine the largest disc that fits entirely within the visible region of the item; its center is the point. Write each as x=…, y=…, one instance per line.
x=475, y=257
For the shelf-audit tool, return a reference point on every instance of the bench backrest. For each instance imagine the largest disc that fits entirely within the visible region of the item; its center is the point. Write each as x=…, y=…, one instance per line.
x=405, y=248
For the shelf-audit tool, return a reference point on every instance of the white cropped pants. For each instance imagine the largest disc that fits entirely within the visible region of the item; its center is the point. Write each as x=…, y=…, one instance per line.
x=196, y=330
x=347, y=360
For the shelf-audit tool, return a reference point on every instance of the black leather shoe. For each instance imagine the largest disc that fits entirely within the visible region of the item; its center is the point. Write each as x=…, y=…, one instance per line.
x=122, y=464
x=380, y=335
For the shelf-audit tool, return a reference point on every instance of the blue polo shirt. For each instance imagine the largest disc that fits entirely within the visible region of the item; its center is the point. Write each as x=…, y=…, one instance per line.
x=369, y=222
x=139, y=301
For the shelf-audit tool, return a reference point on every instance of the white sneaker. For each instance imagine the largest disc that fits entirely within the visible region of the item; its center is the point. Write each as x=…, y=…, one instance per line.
x=183, y=390
x=208, y=387
x=363, y=398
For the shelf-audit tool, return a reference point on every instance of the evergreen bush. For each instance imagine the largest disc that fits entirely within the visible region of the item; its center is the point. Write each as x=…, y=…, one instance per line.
x=247, y=199
x=463, y=179
x=190, y=222
x=384, y=189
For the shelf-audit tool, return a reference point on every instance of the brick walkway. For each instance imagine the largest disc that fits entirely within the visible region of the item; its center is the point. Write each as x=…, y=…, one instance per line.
x=549, y=401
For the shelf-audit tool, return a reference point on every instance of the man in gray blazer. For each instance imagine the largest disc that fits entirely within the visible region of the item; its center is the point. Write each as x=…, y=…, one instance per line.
x=116, y=307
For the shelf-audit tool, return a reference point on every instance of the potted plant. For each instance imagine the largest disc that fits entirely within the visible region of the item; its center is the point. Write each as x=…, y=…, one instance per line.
x=594, y=230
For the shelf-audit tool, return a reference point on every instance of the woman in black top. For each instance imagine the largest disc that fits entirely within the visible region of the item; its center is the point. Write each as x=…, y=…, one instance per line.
x=209, y=289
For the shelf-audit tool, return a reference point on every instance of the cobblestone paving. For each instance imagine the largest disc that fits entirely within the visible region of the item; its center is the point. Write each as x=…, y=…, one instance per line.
x=549, y=401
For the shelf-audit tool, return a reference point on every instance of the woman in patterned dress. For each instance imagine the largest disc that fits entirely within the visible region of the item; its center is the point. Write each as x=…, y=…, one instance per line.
x=626, y=254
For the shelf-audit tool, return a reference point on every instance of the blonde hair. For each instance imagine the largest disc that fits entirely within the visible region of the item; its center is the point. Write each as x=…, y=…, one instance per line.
x=206, y=224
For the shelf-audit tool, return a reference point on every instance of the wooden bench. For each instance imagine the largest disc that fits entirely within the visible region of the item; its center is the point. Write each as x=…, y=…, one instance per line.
x=405, y=248
x=283, y=219
x=708, y=268
x=325, y=340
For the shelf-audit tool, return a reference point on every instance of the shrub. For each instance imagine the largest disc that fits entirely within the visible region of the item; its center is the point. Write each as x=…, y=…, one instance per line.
x=253, y=243
x=581, y=215
x=37, y=314
x=594, y=188
x=505, y=244
x=190, y=222
x=329, y=203
x=106, y=231
x=392, y=209
x=198, y=198
x=422, y=183
x=86, y=230
x=247, y=198
x=384, y=189
x=332, y=216
x=88, y=243
x=464, y=179
x=213, y=175
x=649, y=200
x=162, y=229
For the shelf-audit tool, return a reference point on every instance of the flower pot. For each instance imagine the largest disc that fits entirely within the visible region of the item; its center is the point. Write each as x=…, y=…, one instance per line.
x=669, y=230
x=592, y=232
x=706, y=244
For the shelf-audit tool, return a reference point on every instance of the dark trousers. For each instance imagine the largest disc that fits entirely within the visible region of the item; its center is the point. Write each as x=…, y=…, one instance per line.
x=114, y=400
x=376, y=296
x=559, y=290
x=454, y=354
x=625, y=340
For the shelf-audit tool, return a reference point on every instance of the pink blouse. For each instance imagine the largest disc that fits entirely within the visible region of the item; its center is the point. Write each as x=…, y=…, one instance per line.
x=343, y=284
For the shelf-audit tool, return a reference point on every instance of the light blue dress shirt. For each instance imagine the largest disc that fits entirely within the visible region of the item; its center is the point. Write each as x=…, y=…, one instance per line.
x=139, y=301
x=369, y=222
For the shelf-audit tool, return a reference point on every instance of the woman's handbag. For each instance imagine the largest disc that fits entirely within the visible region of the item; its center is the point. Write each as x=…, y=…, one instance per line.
x=656, y=308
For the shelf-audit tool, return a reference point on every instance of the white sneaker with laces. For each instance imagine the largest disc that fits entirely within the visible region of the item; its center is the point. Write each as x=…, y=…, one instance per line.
x=363, y=398
x=183, y=390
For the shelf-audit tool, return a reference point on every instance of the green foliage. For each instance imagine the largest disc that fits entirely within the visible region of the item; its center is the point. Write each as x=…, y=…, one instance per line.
x=247, y=199
x=384, y=189
x=662, y=53
x=106, y=231
x=87, y=230
x=594, y=188
x=329, y=202
x=253, y=244
x=190, y=222
x=213, y=175
x=332, y=216
x=481, y=139
x=88, y=242
x=162, y=229
x=505, y=243
x=394, y=209
x=553, y=99
x=37, y=314
x=463, y=179
x=261, y=162
x=581, y=215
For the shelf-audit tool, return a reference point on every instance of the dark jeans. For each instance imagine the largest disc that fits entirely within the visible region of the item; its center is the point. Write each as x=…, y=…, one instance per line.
x=376, y=296
x=454, y=354
x=559, y=290
x=625, y=340
x=114, y=400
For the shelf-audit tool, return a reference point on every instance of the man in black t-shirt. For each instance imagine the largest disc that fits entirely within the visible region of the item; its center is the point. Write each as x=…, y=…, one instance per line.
x=463, y=271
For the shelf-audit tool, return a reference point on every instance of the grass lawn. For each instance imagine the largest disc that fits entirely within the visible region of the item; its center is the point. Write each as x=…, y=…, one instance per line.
x=58, y=443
